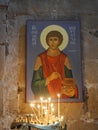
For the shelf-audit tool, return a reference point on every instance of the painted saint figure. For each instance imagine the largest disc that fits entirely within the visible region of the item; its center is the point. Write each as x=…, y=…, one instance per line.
x=52, y=71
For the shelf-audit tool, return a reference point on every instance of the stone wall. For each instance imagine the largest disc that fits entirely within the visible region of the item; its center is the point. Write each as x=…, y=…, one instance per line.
x=13, y=16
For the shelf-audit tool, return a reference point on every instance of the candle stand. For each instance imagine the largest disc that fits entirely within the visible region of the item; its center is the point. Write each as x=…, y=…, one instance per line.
x=43, y=117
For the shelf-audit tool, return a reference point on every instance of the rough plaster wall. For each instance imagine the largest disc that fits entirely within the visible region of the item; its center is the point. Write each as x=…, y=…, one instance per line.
x=13, y=16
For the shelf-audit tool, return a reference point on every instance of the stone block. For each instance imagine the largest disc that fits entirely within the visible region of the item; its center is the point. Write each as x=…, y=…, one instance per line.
x=2, y=60
x=1, y=100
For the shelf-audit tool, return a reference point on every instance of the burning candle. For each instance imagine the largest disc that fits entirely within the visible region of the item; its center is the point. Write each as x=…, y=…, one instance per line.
x=58, y=95
x=49, y=101
x=51, y=109
x=41, y=106
x=18, y=102
x=62, y=118
x=32, y=105
x=38, y=110
x=46, y=103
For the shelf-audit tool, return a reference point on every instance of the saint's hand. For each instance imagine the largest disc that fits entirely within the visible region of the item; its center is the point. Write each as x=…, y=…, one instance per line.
x=53, y=76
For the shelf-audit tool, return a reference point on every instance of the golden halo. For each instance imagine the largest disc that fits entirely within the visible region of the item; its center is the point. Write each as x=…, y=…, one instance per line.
x=49, y=28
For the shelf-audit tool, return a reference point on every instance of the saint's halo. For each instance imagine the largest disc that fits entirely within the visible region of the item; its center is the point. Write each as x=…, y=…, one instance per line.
x=49, y=28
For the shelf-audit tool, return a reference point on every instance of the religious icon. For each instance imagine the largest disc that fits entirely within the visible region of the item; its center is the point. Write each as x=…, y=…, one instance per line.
x=53, y=60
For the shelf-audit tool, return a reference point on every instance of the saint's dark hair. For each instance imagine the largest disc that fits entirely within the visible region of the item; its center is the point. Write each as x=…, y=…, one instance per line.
x=54, y=34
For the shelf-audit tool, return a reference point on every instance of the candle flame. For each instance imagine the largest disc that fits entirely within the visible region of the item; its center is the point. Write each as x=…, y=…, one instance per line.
x=38, y=106
x=49, y=99
x=58, y=95
x=41, y=98
x=32, y=105
x=51, y=104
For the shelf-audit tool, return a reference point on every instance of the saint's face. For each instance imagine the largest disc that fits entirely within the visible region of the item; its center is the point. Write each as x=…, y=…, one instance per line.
x=53, y=43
